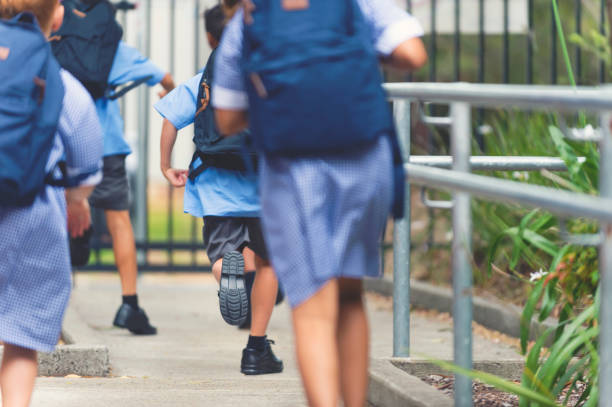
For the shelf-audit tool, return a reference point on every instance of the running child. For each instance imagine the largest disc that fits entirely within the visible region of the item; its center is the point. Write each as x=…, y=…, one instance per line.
x=35, y=275
x=220, y=189
x=324, y=204
x=112, y=194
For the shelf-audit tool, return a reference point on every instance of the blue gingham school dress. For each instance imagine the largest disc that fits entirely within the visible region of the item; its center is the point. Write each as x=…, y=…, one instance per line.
x=323, y=218
x=35, y=277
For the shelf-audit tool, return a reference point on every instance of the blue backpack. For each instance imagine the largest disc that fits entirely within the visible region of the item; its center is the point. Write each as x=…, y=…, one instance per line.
x=313, y=81
x=313, y=78
x=87, y=42
x=31, y=96
x=214, y=150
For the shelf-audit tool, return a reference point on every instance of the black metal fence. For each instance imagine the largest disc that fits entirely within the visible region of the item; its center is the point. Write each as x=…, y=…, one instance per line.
x=170, y=241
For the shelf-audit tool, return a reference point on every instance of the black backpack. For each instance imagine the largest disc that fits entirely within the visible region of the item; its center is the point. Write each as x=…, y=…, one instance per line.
x=211, y=147
x=87, y=42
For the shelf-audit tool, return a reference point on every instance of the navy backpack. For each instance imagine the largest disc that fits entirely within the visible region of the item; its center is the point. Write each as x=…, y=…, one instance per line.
x=87, y=41
x=313, y=81
x=212, y=148
x=31, y=96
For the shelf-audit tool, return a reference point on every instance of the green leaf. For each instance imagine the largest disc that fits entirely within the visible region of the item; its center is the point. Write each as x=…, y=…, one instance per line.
x=549, y=301
x=528, y=312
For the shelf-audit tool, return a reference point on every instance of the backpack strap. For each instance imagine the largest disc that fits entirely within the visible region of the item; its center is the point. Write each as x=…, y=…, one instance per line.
x=111, y=94
x=229, y=161
x=62, y=182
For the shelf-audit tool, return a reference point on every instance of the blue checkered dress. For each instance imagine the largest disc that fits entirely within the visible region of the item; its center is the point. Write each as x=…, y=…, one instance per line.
x=35, y=268
x=323, y=217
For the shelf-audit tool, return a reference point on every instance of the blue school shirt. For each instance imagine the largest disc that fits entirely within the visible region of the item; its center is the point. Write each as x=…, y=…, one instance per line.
x=215, y=192
x=129, y=65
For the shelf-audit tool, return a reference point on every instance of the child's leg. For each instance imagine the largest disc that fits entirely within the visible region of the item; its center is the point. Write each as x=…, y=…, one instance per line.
x=124, y=248
x=17, y=375
x=315, y=324
x=263, y=296
x=353, y=343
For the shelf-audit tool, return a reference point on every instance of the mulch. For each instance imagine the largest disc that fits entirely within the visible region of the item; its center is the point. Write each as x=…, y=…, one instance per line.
x=489, y=396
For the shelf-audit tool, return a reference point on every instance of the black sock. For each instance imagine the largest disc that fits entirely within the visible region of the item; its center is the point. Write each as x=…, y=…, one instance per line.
x=257, y=342
x=131, y=300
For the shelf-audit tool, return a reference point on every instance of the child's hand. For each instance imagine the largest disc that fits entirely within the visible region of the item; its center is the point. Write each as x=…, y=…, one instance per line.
x=79, y=217
x=178, y=178
x=162, y=93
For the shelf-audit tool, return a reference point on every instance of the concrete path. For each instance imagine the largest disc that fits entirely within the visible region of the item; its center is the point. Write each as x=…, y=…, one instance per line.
x=195, y=358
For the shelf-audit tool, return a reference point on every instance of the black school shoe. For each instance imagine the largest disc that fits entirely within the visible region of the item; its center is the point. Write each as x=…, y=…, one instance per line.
x=134, y=320
x=233, y=298
x=255, y=362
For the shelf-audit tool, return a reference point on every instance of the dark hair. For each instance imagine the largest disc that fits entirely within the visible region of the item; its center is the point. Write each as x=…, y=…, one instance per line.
x=214, y=22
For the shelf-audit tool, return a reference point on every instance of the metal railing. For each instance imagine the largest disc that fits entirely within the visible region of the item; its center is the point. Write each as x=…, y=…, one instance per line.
x=461, y=97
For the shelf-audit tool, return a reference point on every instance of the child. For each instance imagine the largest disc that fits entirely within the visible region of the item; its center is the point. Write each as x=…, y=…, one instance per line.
x=112, y=195
x=324, y=213
x=220, y=190
x=35, y=278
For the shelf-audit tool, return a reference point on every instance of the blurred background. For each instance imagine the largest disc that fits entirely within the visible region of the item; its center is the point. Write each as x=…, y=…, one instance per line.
x=489, y=41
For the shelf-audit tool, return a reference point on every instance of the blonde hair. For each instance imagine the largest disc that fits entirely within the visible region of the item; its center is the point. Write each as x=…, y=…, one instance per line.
x=43, y=10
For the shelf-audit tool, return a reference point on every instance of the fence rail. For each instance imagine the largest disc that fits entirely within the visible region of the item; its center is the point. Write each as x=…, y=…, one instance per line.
x=461, y=97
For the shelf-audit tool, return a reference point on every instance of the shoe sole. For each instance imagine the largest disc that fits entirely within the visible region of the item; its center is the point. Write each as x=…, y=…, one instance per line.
x=254, y=372
x=233, y=299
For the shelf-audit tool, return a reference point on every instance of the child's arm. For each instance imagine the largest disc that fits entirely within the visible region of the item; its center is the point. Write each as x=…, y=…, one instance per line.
x=230, y=122
x=409, y=55
x=78, y=211
x=168, y=84
x=176, y=177
x=81, y=136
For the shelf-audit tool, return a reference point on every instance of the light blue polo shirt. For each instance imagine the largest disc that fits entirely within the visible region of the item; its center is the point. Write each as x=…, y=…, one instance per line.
x=215, y=192
x=129, y=65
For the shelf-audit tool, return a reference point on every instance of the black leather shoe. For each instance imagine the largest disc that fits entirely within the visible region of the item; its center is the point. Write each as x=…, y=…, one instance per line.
x=255, y=362
x=134, y=320
x=233, y=298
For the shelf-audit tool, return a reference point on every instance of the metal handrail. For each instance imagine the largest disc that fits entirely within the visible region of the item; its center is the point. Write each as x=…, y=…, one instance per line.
x=557, y=98
x=462, y=97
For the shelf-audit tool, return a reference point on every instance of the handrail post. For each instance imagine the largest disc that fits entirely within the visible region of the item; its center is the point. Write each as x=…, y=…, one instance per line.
x=401, y=245
x=462, y=270
x=605, y=269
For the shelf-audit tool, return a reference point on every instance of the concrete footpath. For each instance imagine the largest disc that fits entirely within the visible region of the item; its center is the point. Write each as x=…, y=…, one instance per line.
x=195, y=358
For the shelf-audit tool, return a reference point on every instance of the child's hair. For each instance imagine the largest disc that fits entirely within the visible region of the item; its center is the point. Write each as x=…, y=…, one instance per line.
x=214, y=22
x=230, y=7
x=43, y=10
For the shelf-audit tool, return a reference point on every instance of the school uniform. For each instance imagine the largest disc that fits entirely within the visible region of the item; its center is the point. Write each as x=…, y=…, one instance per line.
x=323, y=217
x=128, y=66
x=35, y=272
x=227, y=200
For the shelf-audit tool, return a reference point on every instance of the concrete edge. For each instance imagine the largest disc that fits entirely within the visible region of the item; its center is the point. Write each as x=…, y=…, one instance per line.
x=508, y=369
x=391, y=387
x=504, y=318
x=80, y=360
x=82, y=353
x=86, y=360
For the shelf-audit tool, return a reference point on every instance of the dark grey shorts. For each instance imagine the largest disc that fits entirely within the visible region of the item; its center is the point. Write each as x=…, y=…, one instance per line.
x=113, y=192
x=225, y=234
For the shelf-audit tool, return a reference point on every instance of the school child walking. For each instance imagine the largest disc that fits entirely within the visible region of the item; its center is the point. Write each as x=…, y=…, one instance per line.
x=303, y=75
x=220, y=189
x=112, y=194
x=58, y=117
